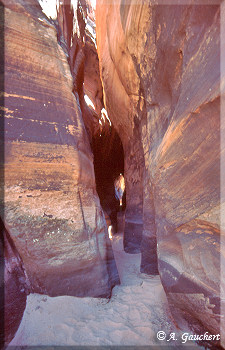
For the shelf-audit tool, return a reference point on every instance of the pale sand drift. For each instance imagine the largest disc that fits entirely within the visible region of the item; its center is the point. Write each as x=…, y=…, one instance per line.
x=137, y=310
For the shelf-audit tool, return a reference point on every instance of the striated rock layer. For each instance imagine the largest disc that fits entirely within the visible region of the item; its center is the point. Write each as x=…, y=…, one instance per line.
x=51, y=209
x=160, y=67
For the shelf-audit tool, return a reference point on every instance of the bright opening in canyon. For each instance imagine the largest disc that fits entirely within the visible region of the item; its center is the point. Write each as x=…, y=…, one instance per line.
x=89, y=102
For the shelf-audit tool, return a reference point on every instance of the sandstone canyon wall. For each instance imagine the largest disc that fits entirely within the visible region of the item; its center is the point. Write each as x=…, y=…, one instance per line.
x=51, y=209
x=160, y=68
x=14, y=290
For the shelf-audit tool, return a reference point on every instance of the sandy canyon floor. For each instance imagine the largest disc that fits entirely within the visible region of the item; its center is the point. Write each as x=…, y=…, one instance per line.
x=137, y=310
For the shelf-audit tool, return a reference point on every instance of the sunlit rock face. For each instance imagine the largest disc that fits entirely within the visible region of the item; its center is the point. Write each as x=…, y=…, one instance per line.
x=121, y=87
x=160, y=67
x=92, y=88
x=52, y=211
x=92, y=81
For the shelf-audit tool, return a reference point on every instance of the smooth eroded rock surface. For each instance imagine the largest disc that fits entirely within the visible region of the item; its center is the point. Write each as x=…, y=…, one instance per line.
x=51, y=209
x=160, y=67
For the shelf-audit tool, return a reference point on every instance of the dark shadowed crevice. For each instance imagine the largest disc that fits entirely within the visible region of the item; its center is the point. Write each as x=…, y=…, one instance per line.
x=16, y=287
x=108, y=164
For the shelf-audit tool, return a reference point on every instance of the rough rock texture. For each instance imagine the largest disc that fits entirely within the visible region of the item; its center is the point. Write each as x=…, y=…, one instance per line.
x=160, y=67
x=52, y=211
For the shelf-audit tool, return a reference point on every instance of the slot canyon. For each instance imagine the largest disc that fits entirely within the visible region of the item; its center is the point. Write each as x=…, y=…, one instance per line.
x=92, y=92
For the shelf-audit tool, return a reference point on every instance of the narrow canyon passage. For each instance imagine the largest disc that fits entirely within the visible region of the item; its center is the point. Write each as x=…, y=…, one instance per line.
x=108, y=165
x=93, y=91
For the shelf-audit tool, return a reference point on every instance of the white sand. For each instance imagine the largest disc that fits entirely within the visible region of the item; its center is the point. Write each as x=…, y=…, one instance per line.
x=137, y=310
